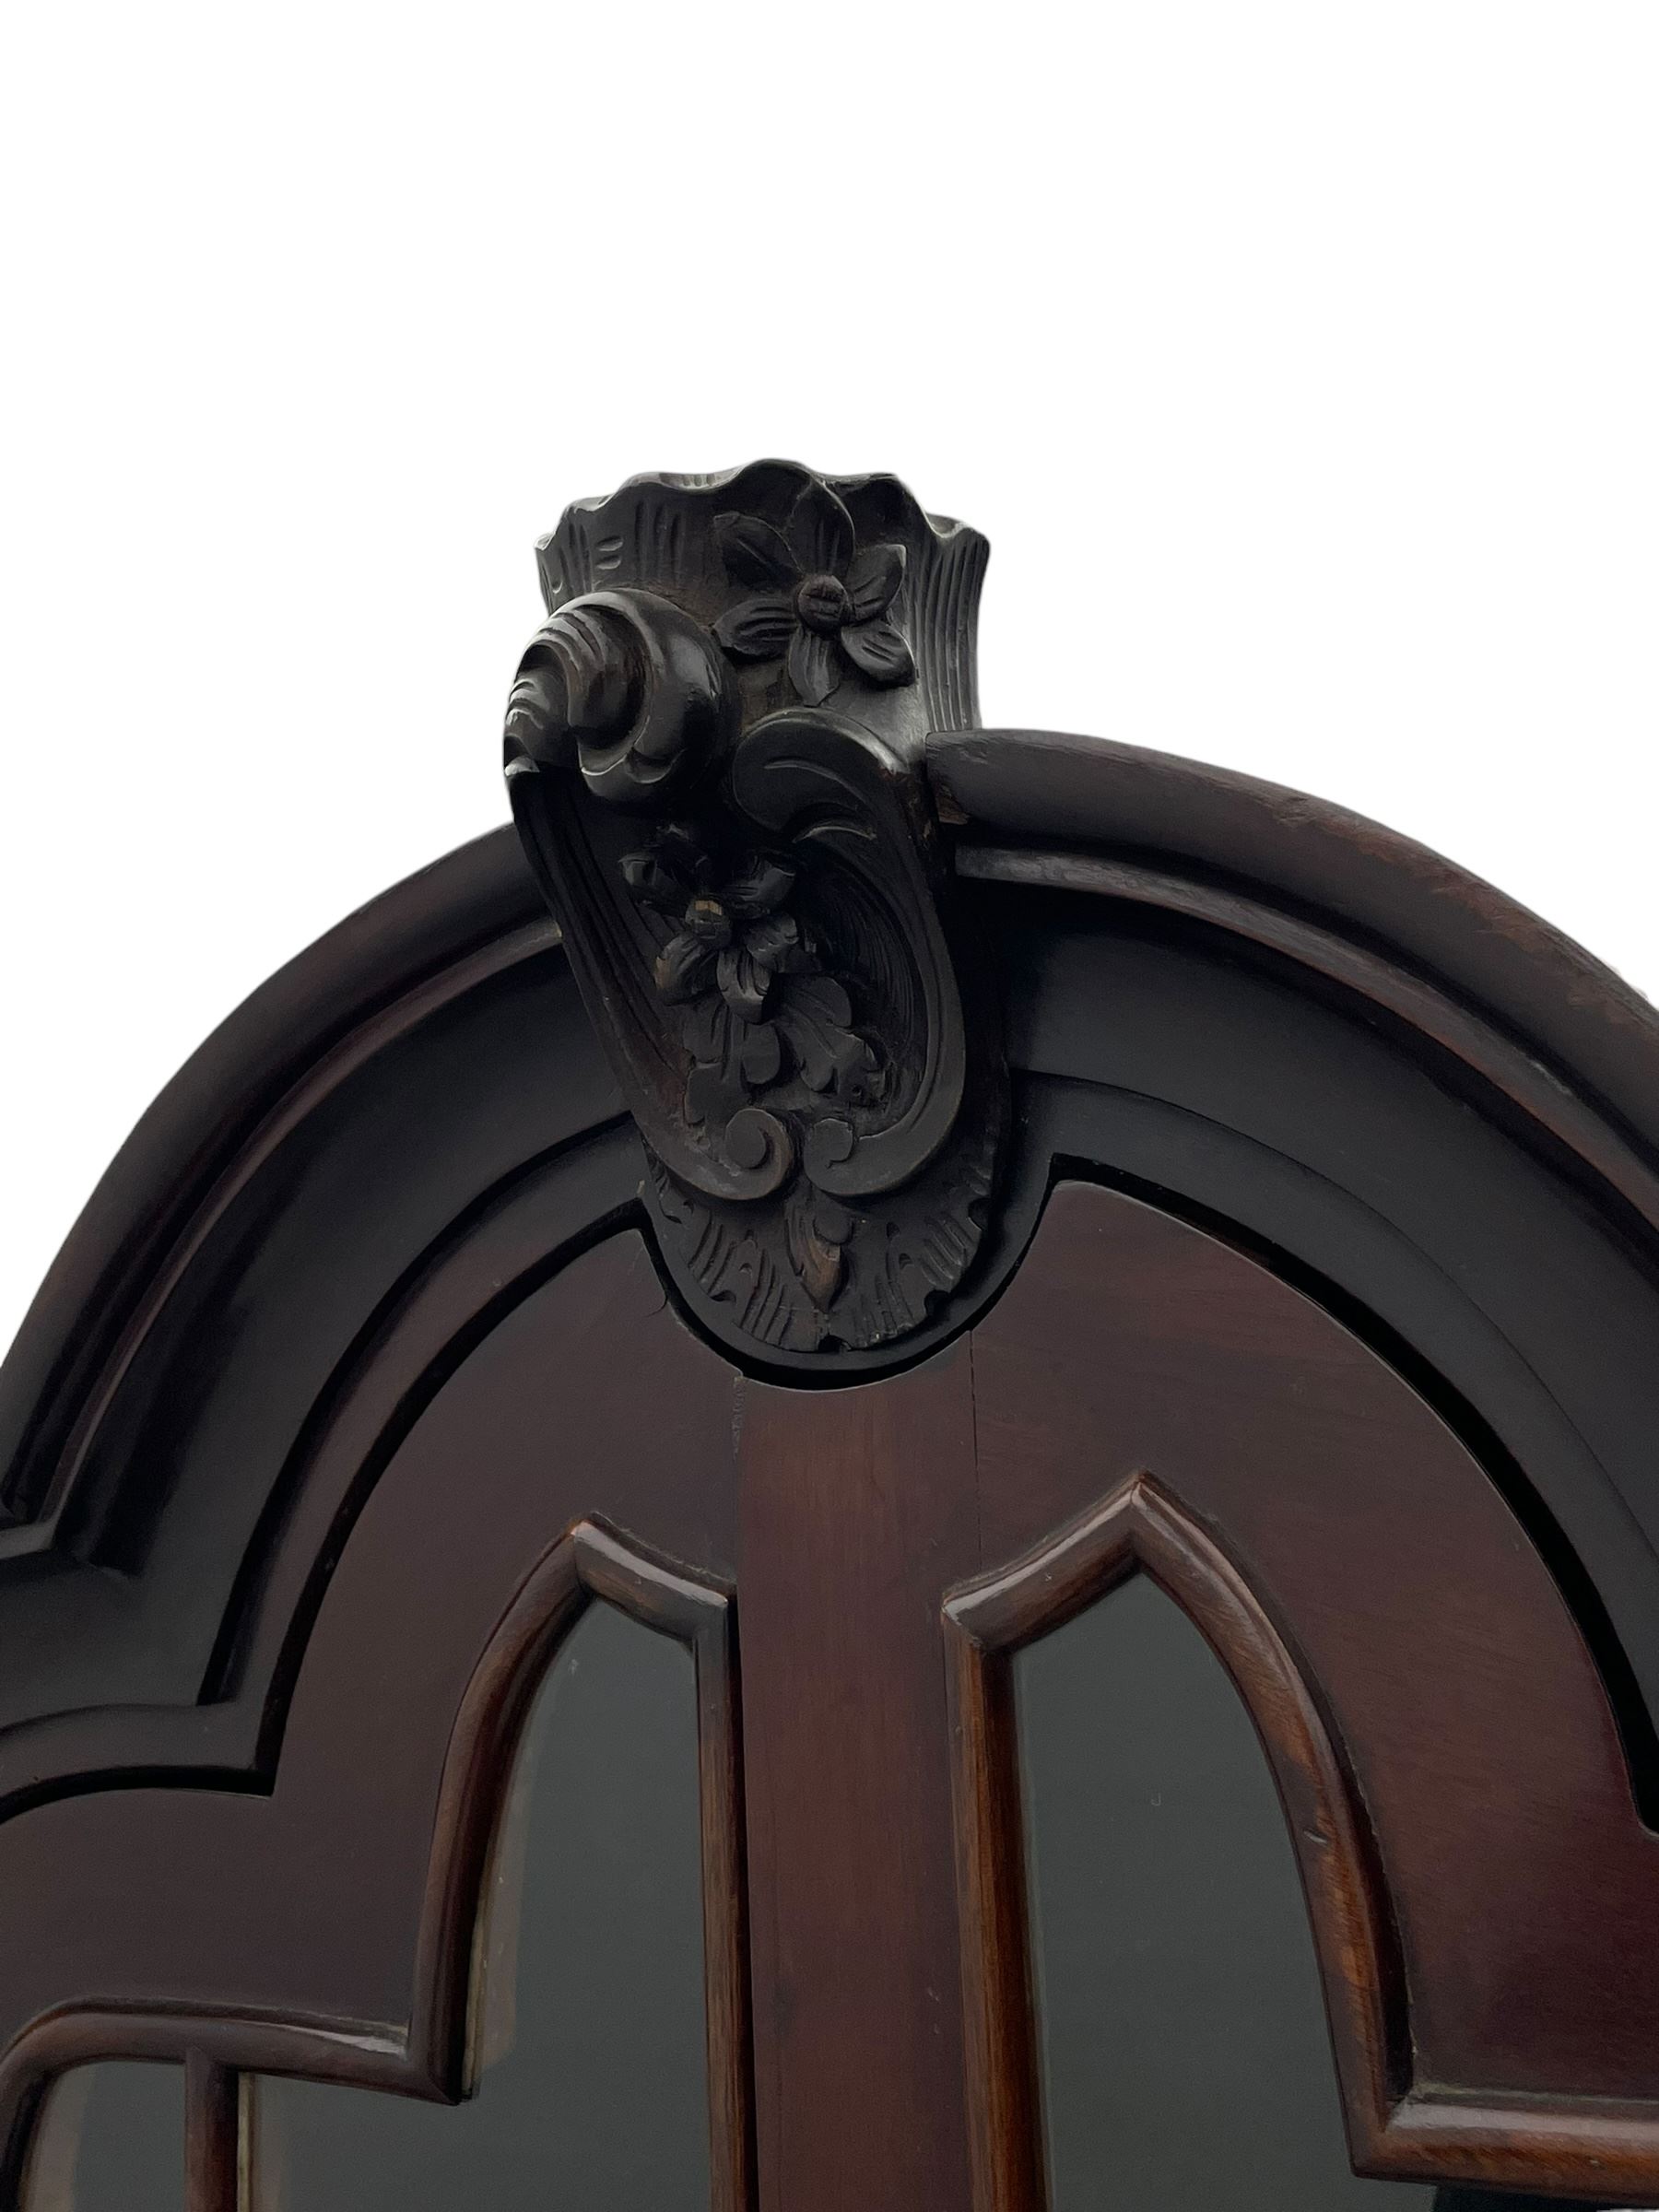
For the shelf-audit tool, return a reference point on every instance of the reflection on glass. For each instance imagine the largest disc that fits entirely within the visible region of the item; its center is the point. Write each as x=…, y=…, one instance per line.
x=590, y=2037
x=110, y=2138
x=1185, y=2058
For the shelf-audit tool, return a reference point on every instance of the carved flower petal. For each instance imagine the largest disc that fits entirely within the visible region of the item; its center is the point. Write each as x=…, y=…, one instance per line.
x=754, y=552
x=762, y=1054
x=812, y=668
x=744, y=982
x=685, y=969
x=759, y=630
x=819, y=531
x=880, y=652
x=759, y=890
x=771, y=939
x=873, y=579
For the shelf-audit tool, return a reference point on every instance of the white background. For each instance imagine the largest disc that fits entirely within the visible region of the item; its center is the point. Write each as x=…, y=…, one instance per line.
x=1301, y=361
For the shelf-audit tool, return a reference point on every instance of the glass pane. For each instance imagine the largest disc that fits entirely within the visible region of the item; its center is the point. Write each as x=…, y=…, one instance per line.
x=1491, y=2200
x=110, y=2138
x=592, y=2083
x=1186, y=2063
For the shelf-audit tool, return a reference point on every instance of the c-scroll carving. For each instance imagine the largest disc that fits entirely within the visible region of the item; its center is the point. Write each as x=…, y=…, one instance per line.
x=723, y=801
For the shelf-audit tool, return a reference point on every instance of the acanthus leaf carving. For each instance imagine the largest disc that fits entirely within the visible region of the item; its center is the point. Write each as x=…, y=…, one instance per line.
x=732, y=827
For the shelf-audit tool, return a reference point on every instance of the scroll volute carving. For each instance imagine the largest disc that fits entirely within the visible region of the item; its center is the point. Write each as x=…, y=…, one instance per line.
x=713, y=746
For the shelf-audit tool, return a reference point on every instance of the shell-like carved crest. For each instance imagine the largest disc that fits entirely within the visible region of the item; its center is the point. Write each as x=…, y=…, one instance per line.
x=713, y=745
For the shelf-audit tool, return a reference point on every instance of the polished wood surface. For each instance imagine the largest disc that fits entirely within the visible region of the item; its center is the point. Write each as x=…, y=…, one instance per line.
x=1457, y=1680
x=1143, y=1393
x=322, y=1927
x=1036, y=1160
x=1444, y=1744
x=1139, y=1527
x=213, y=2096
x=857, y=1507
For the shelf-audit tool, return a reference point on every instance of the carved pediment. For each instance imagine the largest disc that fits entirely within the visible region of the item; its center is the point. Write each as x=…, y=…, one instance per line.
x=715, y=751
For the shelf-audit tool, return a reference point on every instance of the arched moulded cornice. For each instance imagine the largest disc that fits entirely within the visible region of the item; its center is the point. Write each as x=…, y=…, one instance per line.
x=1567, y=1041
x=266, y=1068
x=1565, y=1047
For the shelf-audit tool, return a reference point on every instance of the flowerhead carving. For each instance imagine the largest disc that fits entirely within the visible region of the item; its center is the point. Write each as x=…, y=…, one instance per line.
x=732, y=935
x=760, y=1013
x=752, y=898
x=823, y=602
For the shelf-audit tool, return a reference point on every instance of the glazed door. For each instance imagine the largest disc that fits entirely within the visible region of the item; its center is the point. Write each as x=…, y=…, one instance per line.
x=923, y=1478
x=1128, y=1758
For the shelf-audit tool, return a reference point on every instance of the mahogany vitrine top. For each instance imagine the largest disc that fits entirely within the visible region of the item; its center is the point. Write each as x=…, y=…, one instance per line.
x=847, y=1185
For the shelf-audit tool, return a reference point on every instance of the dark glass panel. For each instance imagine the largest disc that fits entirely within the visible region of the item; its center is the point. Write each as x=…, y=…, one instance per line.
x=110, y=2138
x=1492, y=2200
x=1186, y=2061
x=590, y=2025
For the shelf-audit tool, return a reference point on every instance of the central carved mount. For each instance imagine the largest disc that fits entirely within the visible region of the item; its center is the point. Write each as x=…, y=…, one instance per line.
x=714, y=751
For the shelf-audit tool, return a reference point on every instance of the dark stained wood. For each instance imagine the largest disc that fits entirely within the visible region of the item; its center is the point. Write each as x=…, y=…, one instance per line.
x=212, y=2136
x=1220, y=1087
x=421, y=1334
x=754, y=898
x=593, y=1561
x=857, y=1512
x=379, y=972
x=1058, y=789
x=429, y=2057
x=1403, y=1645
x=331, y=1415
x=421, y=1196
x=1434, y=1013
x=323, y=1929
x=1139, y=1526
x=1457, y=1690
x=999, y=2026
